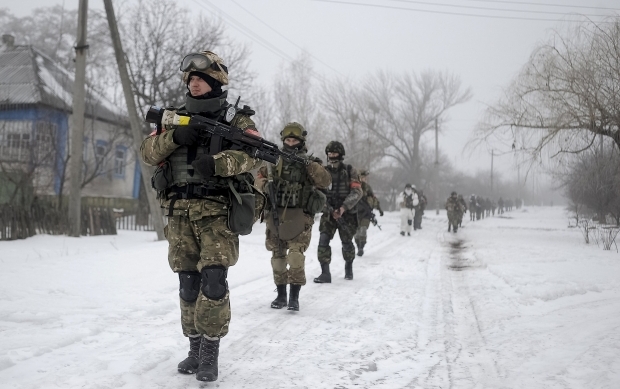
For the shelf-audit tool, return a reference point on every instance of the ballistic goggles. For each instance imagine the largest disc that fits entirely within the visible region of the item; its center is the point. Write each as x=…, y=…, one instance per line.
x=293, y=132
x=199, y=62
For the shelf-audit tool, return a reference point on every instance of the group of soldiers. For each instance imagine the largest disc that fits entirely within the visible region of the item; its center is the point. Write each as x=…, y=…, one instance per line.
x=484, y=207
x=204, y=182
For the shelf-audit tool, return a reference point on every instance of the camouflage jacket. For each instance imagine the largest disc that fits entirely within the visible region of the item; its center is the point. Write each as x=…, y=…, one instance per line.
x=157, y=147
x=369, y=197
x=454, y=206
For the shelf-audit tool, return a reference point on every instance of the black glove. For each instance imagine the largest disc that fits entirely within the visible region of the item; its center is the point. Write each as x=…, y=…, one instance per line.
x=185, y=136
x=205, y=166
x=380, y=213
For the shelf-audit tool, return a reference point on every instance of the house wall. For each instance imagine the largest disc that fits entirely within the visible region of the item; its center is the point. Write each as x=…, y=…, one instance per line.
x=111, y=176
x=115, y=177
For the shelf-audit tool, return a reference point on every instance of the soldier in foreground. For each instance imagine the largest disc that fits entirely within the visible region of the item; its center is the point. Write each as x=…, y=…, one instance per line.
x=293, y=188
x=455, y=212
x=366, y=205
x=407, y=200
x=195, y=180
x=340, y=212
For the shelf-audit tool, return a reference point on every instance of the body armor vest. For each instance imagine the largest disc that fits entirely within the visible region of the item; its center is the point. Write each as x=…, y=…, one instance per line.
x=182, y=157
x=292, y=184
x=341, y=184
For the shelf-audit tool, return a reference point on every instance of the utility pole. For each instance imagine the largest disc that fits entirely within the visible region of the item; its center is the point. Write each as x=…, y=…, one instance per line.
x=134, y=120
x=77, y=124
x=436, y=167
x=492, y=155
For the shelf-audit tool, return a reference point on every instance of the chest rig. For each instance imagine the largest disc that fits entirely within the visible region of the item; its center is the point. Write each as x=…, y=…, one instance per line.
x=341, y=184
x=292, y=184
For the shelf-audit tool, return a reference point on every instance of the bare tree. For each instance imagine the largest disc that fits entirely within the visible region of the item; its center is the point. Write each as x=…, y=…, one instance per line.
x=565, y=95
x=402, y=108
x=295, y=99
x=342, y=102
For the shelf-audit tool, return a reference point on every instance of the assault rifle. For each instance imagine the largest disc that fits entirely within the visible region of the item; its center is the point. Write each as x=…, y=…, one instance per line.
x=331, y=210
x=254, y=146
x=373, y=218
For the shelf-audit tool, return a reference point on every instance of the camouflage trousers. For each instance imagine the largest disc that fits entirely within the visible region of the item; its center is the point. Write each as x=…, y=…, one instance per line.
x=194, y=244
x=289, y=252
x=346, y=230
x=453, y=218
x=362, y=232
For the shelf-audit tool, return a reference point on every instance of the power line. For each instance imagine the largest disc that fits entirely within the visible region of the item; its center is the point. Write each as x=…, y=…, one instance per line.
x=491, y=9
x=284, y=36
x=544, y=4
x=245, y=31
x=440, y=12
x=255, y=37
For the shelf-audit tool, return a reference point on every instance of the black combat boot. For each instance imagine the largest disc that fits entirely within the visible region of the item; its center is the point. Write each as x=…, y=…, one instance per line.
x=280, y=301
x=325, y=277
x=293, y=301
x=402, y=233
x=190, y=364
x=209, y=351
x=348, y=270
x=360, y=249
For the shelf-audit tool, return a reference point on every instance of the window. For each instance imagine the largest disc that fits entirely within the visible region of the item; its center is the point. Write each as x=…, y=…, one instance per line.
x=101, y=149
x=119, y=161
x=15, y=140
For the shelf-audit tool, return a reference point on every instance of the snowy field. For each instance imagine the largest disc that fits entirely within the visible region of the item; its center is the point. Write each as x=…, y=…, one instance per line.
x=512, y=302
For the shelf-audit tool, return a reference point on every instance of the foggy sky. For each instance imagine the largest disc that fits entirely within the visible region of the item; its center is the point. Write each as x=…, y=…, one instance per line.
x=358, y=40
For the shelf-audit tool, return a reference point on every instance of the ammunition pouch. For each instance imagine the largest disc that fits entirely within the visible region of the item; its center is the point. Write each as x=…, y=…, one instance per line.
x=162, y=177
x=315, y=202
x=244, y=202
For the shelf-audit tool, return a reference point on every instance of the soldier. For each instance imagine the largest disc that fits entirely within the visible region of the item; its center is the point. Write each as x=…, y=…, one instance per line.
x=407, y=200
x=340, y=212
x=455, y=211
x=472, y=207
x=500, y=206
x=419, y=210
x=463, y=204
x=365, y=207
x=195, y=181
x=296, y=199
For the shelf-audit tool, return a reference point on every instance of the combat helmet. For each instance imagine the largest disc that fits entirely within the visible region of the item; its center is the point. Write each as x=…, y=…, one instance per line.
x=364, y=173
x=205, y=62
x=453, y=193
x=335, y=147
x=294, y=130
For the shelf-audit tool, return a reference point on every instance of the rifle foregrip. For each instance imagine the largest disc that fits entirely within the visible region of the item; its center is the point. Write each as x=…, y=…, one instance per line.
x=266, y=156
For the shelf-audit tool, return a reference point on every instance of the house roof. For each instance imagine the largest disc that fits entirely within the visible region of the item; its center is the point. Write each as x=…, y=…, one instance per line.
x=27, y=76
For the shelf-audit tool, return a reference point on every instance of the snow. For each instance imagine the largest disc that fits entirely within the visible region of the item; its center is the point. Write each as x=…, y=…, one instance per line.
x=513, y=302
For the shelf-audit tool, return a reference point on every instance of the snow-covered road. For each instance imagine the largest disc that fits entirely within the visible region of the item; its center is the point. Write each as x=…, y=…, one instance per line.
x=512, y=302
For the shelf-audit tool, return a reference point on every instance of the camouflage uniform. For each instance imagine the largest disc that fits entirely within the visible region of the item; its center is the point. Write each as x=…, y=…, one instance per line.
x=419, y=211
x=463, y=204
x=364, y=212
x=345, y=192
x=291, y=181
x=455, y=212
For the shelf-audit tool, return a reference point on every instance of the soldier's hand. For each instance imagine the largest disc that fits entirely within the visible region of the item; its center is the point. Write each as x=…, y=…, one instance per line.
x=185, y=136
x=205, y=166
x=337, y=214
x=380, y=213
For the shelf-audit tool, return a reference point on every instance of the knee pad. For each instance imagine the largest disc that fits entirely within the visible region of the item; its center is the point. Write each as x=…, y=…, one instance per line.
x=348, y=246
x=324, y=240
x=214, y=285
x=189, y=285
